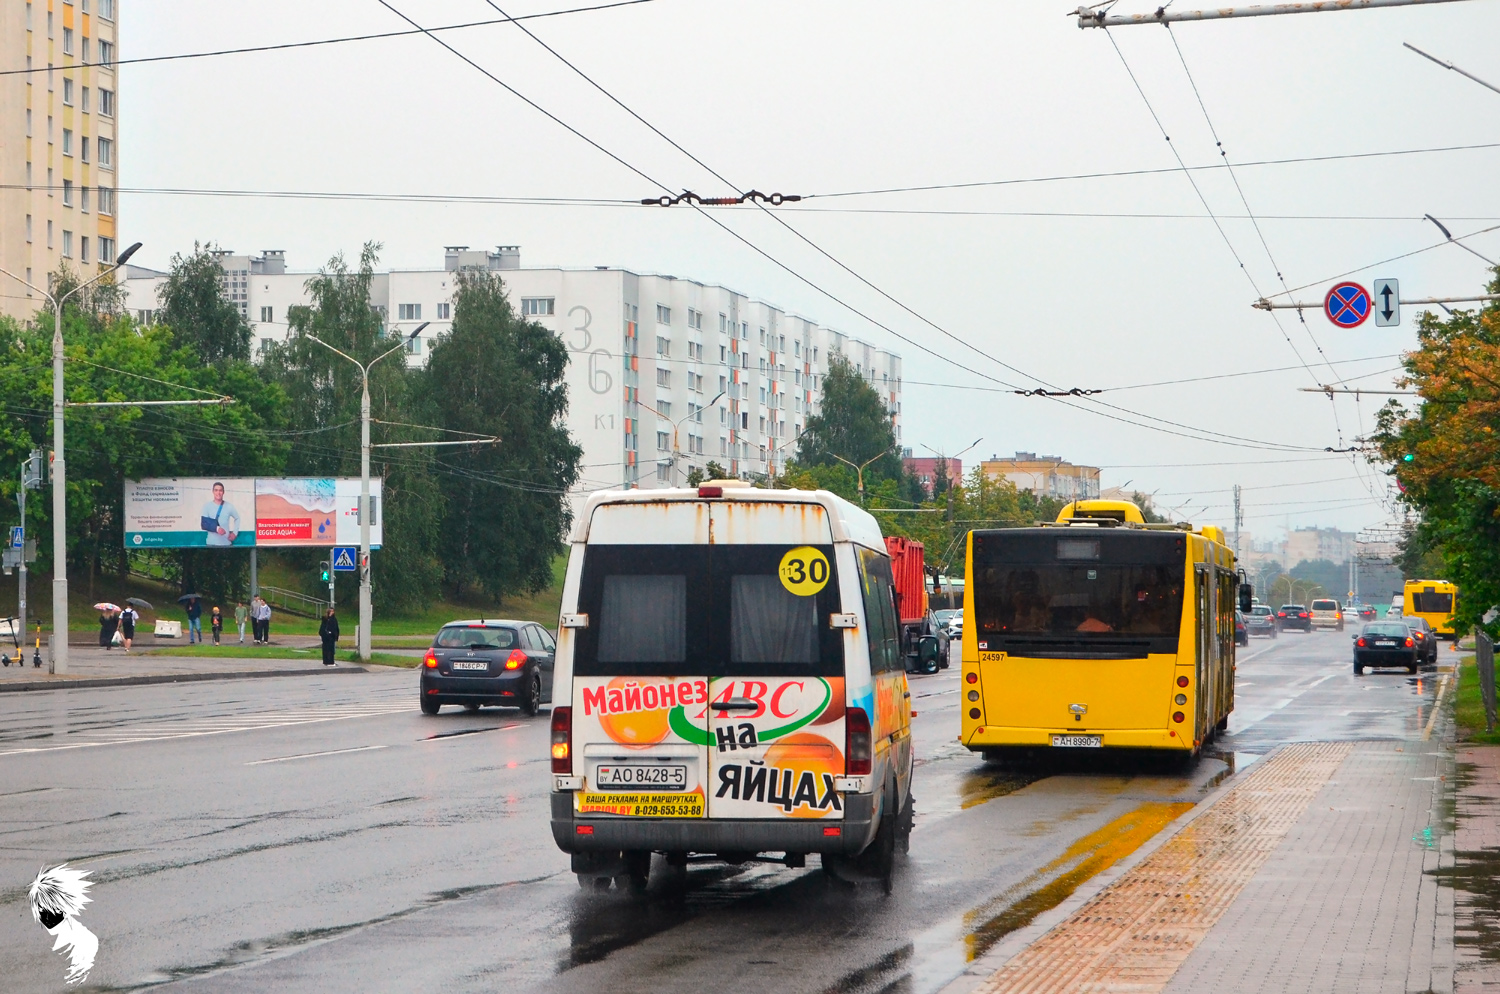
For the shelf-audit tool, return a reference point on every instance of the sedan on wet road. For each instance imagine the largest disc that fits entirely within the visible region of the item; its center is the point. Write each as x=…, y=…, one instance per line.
x=1385, y=643
x=1290, y=616
x=474, y=663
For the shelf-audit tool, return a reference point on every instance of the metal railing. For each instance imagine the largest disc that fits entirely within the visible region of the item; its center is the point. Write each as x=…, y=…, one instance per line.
x=293, y=602
x=1484, y=662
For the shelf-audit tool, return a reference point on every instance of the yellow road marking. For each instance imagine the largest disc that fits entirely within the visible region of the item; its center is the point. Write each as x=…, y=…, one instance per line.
x=1436, y=704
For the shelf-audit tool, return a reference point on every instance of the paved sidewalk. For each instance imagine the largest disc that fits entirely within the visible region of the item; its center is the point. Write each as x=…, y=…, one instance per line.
x=92, y=666
x=1324, y=867
x=1476, y=870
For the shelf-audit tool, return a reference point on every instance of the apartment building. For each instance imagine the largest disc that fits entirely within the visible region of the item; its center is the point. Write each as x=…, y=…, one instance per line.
x=929, y=469
x=666, y=374
x=1047, y=476
x=59, y=142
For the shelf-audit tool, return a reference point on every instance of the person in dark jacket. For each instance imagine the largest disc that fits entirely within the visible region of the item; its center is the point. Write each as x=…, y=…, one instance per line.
x=108, y=622
x=328, y=631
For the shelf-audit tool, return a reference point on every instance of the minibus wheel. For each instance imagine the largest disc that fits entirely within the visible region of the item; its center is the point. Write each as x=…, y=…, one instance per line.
x=637, y=872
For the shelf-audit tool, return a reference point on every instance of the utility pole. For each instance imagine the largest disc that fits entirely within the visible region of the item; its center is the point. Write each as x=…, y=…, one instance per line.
x=860, y=472
x=59, y=463
x=1089, y=17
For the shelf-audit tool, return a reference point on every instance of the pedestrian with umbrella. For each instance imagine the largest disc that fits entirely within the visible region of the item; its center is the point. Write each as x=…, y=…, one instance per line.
x=328, y=631
x=109, y=621
x=194, y=604
x=129, y=617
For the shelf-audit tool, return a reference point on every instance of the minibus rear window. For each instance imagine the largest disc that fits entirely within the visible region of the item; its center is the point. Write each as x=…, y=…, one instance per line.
x=691, y=610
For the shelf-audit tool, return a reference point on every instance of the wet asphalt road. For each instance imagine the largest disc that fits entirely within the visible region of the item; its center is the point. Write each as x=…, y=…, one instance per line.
x=320, y=834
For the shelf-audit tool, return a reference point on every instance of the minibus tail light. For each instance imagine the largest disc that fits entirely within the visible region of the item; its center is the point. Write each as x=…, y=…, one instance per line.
x=858, y=749
x=710, y=491
x=562, y=740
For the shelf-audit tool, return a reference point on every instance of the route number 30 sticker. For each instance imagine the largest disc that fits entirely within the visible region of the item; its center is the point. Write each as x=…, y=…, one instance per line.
x=804, y=571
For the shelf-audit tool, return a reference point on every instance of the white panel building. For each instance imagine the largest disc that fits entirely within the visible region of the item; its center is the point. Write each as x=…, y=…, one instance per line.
x=666, y=373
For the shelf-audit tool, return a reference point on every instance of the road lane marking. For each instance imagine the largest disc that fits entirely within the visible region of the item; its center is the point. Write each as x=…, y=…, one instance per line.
x=1436, y=705
x=311, y=755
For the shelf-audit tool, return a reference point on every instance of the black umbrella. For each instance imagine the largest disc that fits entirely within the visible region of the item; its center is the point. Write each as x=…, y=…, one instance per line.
x=189, y=597
x=140, y=602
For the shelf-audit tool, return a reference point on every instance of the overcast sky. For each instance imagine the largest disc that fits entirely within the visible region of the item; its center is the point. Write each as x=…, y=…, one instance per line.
x=1095, y=283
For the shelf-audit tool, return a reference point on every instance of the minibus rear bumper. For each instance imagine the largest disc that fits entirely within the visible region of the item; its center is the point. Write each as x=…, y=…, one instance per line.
x=612, y=833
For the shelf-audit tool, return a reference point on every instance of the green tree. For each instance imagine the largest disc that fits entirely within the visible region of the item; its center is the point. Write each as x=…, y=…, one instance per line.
x=193, y=304
x=852, y=425
x=323, y=398
x=494, y=373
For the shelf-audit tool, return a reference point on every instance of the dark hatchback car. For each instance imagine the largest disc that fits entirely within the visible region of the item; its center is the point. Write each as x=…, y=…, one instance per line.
x=474, y=663
x=1290, y=616
x=1241, y=633
x=1427, y=640
x=1385, y=643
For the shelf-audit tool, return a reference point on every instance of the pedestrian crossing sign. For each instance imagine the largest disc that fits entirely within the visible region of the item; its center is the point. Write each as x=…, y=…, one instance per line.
x=343, y=558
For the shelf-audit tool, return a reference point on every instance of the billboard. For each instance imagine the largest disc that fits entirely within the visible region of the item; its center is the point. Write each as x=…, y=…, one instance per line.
x=190, y=512
x=240, y=512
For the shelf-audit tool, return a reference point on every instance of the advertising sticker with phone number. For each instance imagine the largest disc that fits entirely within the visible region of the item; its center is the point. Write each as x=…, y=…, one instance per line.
x=642, y=805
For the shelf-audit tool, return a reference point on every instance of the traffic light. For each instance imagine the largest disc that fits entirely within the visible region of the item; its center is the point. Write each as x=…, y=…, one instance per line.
x=1409, y=457
x=324, y=571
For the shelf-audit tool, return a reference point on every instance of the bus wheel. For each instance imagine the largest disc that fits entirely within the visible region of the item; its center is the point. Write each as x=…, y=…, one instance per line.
x=1223, y=724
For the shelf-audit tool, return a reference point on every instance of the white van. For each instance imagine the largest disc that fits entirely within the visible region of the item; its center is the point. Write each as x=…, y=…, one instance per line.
x=729, y=684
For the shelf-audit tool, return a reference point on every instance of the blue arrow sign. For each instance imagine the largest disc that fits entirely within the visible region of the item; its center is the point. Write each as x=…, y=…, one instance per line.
x=344, y=558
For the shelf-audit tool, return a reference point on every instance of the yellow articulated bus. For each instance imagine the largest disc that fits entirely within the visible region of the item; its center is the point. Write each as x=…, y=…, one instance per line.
x=1098, y=631
x=1433, y=601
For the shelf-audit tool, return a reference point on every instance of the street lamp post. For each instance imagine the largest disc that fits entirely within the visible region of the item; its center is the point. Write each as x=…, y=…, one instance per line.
x=860, y=471
x=362, y=636
x=678, y=424
x=59, y=465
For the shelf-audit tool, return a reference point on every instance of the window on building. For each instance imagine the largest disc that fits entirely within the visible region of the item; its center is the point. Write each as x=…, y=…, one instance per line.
x=762, y=337
x=663, y=378
x=763, y=366
x=537, y=306
x=663, y=346
x=663, y=472
x=664, y=441
x=28, y=122
x=67, y=91
x=83, y=104
x=106, y=248
x=414, y=345
x=797, y=349
x=265, y=345
x=83, y=199
x=67, y=41
x=49, y=24
x=83, y=249
x=663, y=314
x=664, y=407
x=267, y=315
x=49, y=129
x=445, y=311
x=28, y=227
x=106, y=152
x=695, y=319
x=83, y=148
x=106, y=53
x=67, y=141
x=106, y=200
x=762, y=426
x=67, y=193
x=744, y=360
x=107, y=9
x=85, y=50
x=67, y=246
x=107, y=101
x=408, y=312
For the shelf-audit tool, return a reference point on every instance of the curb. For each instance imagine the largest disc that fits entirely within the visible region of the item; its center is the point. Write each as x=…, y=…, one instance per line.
x=137, y=681
x=981, y=969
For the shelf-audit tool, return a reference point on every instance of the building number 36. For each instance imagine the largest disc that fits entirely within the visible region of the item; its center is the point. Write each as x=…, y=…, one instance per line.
x=600, y=380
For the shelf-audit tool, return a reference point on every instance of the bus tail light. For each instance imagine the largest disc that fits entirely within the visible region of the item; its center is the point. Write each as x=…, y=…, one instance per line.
x=1177, y=716
x=972, y=677
x=858, y=748
x=515, y=660
x=430, y=660
x=1182, y=681
x=562, y=740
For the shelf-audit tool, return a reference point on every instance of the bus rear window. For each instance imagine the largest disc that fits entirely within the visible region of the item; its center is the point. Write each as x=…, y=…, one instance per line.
x=1079, y=600
x=1431, y=603
x=696, y=610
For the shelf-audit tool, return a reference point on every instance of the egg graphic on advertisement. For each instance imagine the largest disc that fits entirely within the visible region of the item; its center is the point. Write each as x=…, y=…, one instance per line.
x=638, y=727
x=804, y=752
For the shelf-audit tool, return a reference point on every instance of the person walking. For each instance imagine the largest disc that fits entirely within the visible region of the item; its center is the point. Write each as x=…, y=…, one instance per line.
x=255, y=603
x=216, y=623
x=328, y=631
x=265, y=622
x=240, y=614
x=128, y=618
x=195, y=620
x=108, y=622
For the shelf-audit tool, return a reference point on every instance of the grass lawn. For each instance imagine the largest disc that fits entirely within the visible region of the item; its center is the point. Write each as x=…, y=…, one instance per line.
x=1468, y=706
x=282, y=652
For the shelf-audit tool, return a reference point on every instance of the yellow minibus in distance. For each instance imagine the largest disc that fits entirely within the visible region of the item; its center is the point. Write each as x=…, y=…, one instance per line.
x=1098, y=631
x=1433, y=601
